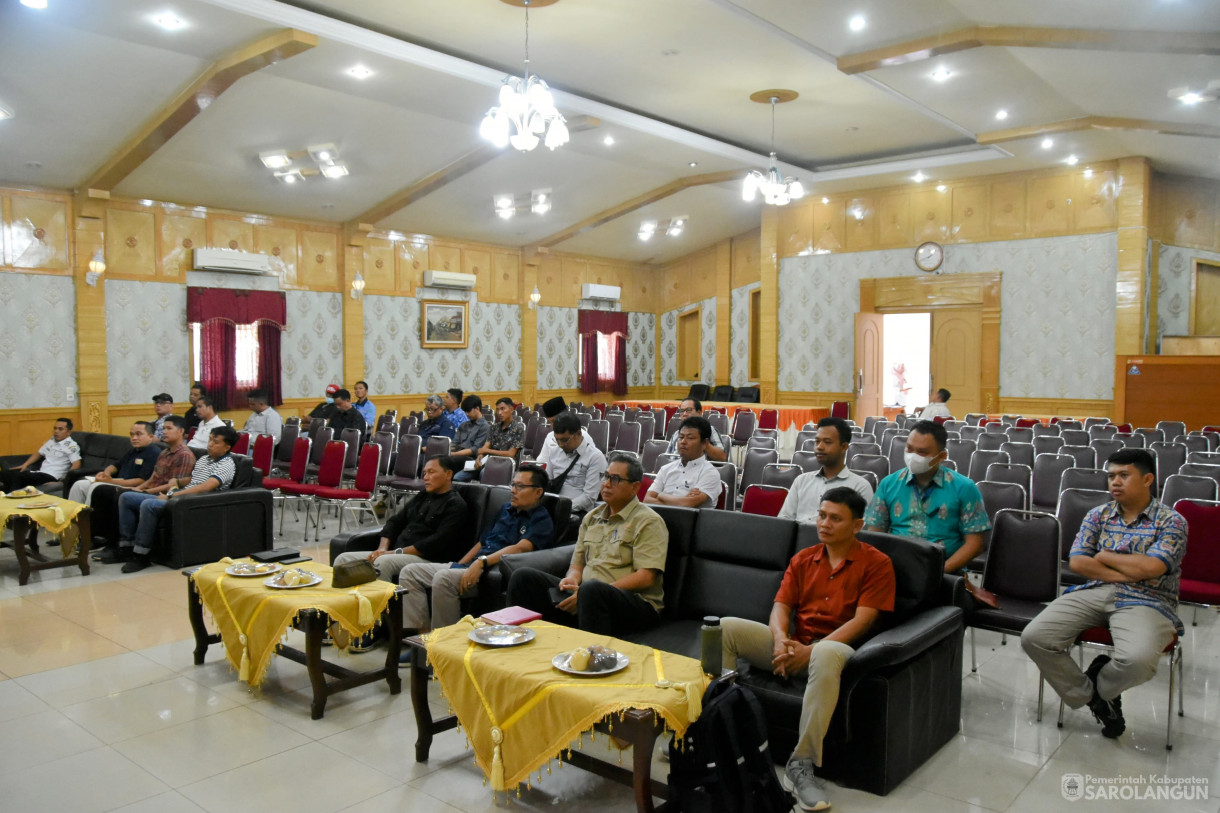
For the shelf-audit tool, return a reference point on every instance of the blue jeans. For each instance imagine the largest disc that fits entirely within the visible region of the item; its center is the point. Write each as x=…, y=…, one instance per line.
x=138, y=514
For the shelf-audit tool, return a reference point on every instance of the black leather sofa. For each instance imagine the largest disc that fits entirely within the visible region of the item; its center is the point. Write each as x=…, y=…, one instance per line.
x=484, y=503
x=900, y=699
x=97, y=451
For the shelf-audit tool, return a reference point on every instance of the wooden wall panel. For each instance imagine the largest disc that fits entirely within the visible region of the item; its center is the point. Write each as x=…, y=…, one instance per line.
x=745, y=257
x=377, y=266
x=320, y=260
x=1186, y=212
x=478, y=263
x=444, y=257
x=969, y=213
x=131, y=243
x=930, y=215
x=861, y=224
x=231, y=233
x=279, y=242
x=180, y=236
x=829, y=225
x=1008, y=209
x=1049, y=202
x=894, y=220
x=412, y=263
x=506, y=278
x=796, y=229
x=1093, y=200
x=37, y=233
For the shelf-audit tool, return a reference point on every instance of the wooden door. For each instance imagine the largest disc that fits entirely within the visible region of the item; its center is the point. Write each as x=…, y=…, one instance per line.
x=869, y=364
x=956, y=358
x=1206, y=321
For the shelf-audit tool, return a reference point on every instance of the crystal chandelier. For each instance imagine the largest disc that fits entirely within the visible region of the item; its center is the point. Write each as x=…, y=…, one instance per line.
x=526, y=110
x=775, y=188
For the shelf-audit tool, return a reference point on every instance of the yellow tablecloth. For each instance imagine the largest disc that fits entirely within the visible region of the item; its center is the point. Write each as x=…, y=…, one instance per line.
x=519, y=712
x=252, y=618
x=57, y=519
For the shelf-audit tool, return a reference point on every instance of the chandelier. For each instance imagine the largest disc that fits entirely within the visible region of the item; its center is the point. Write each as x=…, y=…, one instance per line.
x=526, y=110
x=775, y=188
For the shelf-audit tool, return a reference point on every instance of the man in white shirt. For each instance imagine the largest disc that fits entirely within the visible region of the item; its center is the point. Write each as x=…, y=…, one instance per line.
x=263, y=420
x=936, y=406
x=576, y=463
x=691, y=480
x=690, y=408
x=209, y=420
x=830, y=446
x=58, y=455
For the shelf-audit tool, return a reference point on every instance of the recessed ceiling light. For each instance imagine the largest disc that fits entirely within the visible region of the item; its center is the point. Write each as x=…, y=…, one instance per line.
x=857, y=23
x=608, y=141
x=291, y=176
x=1190, y=97
x=825, y=200
x=337, y=170
x=941, y=74
x=1047, y=143
x=274, y=159
x=359, y=71
x=168, y=21
x=1001, y=115
x=1088, y=172
x=5, y=113
x=323, y=153
x=34, y=3
x=940, y=187
x=919, y=177
x=1071, y=160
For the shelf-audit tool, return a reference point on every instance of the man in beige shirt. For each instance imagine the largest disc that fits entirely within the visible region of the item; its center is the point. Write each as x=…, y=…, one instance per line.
x=613, y=585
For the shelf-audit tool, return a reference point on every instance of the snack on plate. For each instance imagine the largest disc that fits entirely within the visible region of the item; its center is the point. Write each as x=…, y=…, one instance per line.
x=292, y=578
x=579, y=659
x=594, y=659
x=253, y=568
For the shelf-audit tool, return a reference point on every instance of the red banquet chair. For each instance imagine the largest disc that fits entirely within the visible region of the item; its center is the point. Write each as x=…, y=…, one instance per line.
x=764, y=500
x=1200, y=581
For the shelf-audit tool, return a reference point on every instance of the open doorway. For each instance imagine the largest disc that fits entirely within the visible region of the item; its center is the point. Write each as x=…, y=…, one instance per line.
x=906, y=359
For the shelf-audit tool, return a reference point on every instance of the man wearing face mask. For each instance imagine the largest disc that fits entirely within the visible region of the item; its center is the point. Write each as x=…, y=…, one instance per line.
x=927, y=501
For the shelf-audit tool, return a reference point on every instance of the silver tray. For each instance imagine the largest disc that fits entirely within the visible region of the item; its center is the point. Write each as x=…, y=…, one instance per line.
x=270, y=582
x=560, y=662
x=502, y=635
x=274, y=567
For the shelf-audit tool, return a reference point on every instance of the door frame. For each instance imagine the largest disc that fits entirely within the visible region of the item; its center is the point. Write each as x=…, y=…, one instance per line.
x=933, y=292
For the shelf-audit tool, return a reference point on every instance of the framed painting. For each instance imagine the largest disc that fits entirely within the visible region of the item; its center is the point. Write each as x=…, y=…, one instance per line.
x=444, y=324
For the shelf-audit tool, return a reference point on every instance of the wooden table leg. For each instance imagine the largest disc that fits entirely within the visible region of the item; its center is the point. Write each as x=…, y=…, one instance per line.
x=394, y=624
x=419, y=702
x=312, y=623
x=194, y=611
x=84, y=528
x=21, y=530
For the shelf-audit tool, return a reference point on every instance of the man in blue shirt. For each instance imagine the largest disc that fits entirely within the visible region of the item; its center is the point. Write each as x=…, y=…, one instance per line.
x=927, y=501
x=452, y=399
x=1131, y=551
x=522, y=525
x=363, y=405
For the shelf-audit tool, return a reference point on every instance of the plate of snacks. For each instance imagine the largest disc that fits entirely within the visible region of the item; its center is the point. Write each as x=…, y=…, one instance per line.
x=590, y=661
x=22, y=493
x=31, y=505
x=501, y=635
x=292, y=579
x=247, y=569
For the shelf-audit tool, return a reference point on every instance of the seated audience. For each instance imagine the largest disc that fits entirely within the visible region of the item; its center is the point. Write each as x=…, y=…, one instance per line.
x=55, y=458
x=472, y=435
x=326, y=408
x=132, y=470
x=452, y=399
x=522, y=525
x=690, y=480
x=140, y=511
x=613, y=585
x=925, y=500
x=804, y=500
x=1130, y=550
x=192, y=415
x=831, y=597
x=574, y=464
x=435, y=424
x=936, y=406
x=208, y=420
x=163, y=405
x=263, y=420
x=505, y=437
x=434, y=526
x=362, y=403
x=346, y=416
x=691, y=408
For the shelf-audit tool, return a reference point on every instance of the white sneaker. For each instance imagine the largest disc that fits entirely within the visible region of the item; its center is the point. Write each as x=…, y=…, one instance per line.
x=799, y=779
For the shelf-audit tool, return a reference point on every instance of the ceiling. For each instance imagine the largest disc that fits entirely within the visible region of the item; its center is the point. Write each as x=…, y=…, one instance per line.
x=668, y=81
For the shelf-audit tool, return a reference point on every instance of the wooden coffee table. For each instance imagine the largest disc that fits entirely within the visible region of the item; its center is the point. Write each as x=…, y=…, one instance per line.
x=25, y=533
x=313, y=623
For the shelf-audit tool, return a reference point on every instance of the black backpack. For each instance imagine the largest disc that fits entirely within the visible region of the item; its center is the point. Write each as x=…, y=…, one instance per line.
x=723, y=763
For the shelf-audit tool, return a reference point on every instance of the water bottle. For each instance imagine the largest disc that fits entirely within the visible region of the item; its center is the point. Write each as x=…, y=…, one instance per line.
x=711, y=635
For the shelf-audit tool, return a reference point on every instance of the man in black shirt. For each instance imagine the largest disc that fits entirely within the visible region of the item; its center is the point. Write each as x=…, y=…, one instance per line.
x=192, y=416
x=434, y=526
x=103, y=490
x=325, y=409
x=345, y=415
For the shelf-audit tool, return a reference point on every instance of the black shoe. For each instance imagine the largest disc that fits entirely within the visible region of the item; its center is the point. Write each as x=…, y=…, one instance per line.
x=114, y=554
x=136, y=564
x=368, y=641
x=1107, y=712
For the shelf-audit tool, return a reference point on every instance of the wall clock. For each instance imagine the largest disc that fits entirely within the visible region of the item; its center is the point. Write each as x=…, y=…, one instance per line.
x=929, y=256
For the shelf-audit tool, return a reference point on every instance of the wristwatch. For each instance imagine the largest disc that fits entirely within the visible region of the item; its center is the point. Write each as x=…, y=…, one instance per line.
x=483, y=561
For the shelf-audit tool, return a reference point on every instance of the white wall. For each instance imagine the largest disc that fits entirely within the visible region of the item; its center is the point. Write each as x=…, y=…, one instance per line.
x=37, y=341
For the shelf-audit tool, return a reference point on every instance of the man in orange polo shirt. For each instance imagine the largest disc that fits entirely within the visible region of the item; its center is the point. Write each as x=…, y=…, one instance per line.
x=838, y=589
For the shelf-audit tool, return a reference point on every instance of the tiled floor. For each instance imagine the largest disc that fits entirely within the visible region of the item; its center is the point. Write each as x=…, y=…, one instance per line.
x=102, y=708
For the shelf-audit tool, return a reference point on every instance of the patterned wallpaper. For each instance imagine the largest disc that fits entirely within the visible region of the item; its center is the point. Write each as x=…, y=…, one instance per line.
x=558, y=349
x=669, y=345
x=1056, y=319
x=148, y=347
x=38, y=342
x=395, y=363
x=641, y=349
x=739, y=344
x=1173, y=290
x=311, y=349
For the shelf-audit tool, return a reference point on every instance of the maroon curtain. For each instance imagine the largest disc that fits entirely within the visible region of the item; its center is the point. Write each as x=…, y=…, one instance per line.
x=238, y=307
x=269, y=362
x=620, y=364
x=588, y=362
x=592, y=326
x=218, y=360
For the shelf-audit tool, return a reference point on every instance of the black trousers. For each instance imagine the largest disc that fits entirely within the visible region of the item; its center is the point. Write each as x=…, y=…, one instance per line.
x=600, y=608
x=13, y=479
x=105, y=503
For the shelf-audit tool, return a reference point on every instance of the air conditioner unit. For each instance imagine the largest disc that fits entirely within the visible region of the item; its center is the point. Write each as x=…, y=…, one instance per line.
x=448, y=279
x=609, y=292
x=232, y=262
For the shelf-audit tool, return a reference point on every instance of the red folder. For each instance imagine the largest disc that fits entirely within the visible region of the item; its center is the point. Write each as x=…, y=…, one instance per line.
x=512, y=616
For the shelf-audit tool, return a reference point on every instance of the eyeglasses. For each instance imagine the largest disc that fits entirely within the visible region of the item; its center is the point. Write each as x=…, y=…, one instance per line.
x=615, y=480
x=684, y=410
x=521, y=486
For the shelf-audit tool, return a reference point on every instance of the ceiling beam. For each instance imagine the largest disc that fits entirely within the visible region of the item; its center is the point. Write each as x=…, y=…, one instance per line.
x=1099, y=123
x=430, y=183
x=638, y=202
x=1014, y=36
x=192, y=101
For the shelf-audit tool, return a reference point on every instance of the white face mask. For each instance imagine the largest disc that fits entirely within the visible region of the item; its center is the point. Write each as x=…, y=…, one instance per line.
x=916, y=463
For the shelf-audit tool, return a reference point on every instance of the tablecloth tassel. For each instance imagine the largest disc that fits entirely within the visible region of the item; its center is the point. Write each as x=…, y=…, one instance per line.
x=243, y=672
x=497, y=770
x=365, y=614
x=694, y=702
